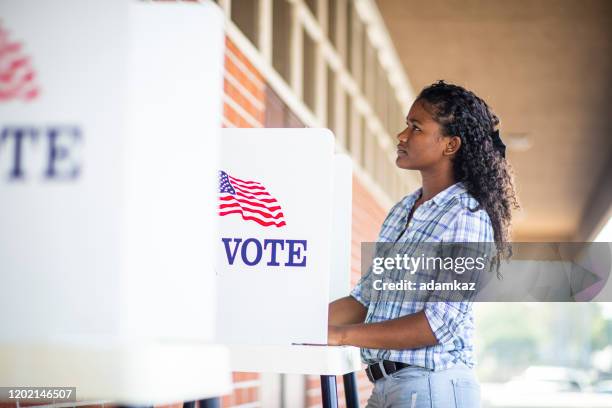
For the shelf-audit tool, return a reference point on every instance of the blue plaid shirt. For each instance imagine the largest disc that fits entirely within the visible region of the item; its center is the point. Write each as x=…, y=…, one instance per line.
x=444, y=218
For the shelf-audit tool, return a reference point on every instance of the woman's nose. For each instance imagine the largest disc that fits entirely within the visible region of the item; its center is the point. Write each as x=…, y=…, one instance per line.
x=402, y=137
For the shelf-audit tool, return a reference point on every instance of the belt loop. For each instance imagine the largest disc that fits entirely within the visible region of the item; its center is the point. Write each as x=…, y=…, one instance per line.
x=382, y=368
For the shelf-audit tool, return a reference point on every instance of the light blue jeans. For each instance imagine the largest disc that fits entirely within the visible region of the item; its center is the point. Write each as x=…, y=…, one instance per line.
x=416, y=387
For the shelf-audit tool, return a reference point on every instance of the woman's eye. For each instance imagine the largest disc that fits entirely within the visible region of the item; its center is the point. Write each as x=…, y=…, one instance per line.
x=413, y=127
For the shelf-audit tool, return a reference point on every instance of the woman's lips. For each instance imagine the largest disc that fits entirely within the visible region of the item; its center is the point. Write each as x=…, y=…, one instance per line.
x=401, y=152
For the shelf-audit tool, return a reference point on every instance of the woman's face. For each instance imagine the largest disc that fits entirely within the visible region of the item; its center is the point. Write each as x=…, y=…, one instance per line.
x=421, y=145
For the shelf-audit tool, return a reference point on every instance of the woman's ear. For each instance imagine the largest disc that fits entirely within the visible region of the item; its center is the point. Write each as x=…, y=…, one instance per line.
x=453, y=143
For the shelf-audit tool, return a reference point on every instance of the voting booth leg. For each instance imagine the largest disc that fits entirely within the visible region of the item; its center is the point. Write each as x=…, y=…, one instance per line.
x=350, y=390
x=210, y=403
x=329, y=393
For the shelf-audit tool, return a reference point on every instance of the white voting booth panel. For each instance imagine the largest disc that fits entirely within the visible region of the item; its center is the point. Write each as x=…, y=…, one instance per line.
x=340, y=273
x=274, y=237
x=266, y=306
x=108, y=159
x=150, y=374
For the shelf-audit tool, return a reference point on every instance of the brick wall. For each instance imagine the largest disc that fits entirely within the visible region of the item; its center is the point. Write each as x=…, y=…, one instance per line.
x=244, y=97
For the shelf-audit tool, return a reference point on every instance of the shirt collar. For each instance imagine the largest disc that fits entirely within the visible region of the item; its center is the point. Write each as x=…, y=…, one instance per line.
x=442, y=197
x=451, y=191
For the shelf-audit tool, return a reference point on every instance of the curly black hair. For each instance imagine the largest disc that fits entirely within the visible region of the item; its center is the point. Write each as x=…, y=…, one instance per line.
x=478, y=163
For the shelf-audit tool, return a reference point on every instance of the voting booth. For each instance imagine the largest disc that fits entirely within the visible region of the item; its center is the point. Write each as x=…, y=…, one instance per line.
x=108, y=159
x=274, y=245
x=283, y=252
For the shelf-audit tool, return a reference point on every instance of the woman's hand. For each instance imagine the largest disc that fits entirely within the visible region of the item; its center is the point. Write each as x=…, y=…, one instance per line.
x=335, y=335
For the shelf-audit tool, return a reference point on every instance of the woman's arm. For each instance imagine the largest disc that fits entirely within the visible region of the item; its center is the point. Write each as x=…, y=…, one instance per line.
x=411, y=331
x=346, y=310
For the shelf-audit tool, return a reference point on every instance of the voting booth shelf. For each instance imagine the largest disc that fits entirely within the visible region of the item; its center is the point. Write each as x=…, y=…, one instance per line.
x=108, y=160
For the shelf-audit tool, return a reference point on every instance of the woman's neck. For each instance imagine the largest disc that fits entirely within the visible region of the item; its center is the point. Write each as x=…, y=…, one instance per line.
x=434, y=182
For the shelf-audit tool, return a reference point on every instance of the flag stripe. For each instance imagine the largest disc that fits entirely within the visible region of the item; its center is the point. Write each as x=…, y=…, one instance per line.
x=263, y=193
x=243, y=181
x=248, y=188
x=265, y=200
x=247, y=204
x=257, y=220
x=255, y=203
x=252, y=210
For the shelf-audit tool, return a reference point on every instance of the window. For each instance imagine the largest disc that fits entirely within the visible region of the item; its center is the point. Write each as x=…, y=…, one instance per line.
x=379, y=174
x=348, y=124
x=309, y=60
x=384, y=175
x=356, y=136
x=360, y=144
x=331, y=99
x=388, y=176
x=364, y=57
x=357, y=51
x=340, y=108
x=391, y=115
x=380, y=92
x=370, y=73
x=332, y=23
x=312, y=6
x=348, y=55
x=369, y=151
x=399, y=117
x=245, y=13
x=281, y=37
x=298, y=57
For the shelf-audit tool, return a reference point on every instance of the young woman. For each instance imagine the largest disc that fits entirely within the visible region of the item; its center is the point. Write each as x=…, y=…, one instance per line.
x=421, y=354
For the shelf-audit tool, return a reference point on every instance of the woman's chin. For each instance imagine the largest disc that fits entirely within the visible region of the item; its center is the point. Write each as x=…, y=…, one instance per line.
x=403, y=163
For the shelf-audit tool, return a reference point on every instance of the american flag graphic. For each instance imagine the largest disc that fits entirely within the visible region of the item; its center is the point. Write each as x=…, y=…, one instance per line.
x=17, y=77
x=249, y=199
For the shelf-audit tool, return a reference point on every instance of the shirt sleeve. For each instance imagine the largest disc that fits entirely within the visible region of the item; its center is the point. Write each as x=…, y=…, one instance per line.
x=446, y=317
x=363, y=289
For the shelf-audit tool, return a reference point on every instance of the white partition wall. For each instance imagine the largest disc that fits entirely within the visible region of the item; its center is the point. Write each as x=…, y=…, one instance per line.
x=273, y=248
x=110, y=115
x=284, y=190
x=340, y=272
x=108, y=157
